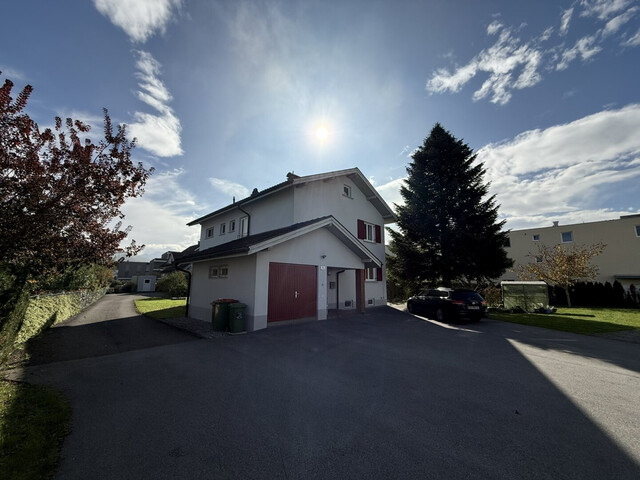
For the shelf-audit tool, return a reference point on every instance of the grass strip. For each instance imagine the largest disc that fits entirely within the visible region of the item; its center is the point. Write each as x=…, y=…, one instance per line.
x=162, y=308
x=34, y=421
x=577, y=320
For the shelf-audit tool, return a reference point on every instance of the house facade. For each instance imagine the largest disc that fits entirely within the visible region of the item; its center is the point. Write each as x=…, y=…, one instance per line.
x=620, y=260
x=294, y=251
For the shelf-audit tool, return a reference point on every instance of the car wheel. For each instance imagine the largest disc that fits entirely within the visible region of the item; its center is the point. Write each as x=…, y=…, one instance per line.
x=440, y=316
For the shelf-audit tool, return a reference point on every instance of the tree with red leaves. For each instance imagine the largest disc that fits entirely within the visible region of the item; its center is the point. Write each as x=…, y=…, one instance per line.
x=59, y=194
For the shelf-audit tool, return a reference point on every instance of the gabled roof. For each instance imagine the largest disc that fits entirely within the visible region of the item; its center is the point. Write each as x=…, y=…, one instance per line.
x=354, y=174
x=262, y=241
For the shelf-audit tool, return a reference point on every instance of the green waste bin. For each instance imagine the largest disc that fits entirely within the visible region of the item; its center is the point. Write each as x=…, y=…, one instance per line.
x=220, y=314
x=236, y=317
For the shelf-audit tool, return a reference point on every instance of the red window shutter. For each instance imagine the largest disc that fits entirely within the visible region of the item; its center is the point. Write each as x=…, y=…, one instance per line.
x=362, y=231
x=379, y=274
x=378, y=234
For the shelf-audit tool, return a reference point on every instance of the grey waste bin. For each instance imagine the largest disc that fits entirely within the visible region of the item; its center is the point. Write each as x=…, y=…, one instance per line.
x=220, y=314
x=237, y=318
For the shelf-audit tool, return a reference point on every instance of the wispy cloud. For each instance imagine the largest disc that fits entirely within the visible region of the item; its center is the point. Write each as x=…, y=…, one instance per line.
x=170, y=214
x=159, y=134
x=535, y=175
x=513, y=64
x=229, y=188
x=140, y=19
x=565, y=21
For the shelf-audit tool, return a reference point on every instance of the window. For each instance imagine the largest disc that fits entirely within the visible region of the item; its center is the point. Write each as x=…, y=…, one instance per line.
x=567, y=237
x=369, y=232
x=244, y=227
x=538, y=259
x=210, y=232
x=346, y=191
x=232, y=226
x=536, y=237
x=507, y=242
x=370, y=274
x=637, y=230
x=218, y=271
x=223, y=228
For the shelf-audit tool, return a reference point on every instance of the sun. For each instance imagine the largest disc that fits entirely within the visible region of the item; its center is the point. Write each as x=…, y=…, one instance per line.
x=321, y=133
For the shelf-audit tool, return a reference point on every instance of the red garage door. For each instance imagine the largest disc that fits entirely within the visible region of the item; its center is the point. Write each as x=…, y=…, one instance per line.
x=292, y=292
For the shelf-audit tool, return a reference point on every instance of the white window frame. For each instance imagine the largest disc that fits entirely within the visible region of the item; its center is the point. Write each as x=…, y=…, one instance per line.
x=232, y=226
x=637, y=230
x=536, y=237
x=370, y=274
x=539, y=259
x=244, y=227
x=223, y=228
x=369, y=228
x=218, y=271
x=210, y=232
x=346, y=191
x=570, y=233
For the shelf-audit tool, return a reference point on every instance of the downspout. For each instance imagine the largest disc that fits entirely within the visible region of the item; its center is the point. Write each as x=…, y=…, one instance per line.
x=338, y=289
x=248, y=220
x=188, y=284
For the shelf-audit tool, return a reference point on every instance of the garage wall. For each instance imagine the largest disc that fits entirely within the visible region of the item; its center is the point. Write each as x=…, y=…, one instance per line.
x=305, y=250
x=239, y=284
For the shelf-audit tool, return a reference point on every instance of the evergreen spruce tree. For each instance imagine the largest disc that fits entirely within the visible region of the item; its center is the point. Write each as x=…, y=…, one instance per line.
x=449, y=229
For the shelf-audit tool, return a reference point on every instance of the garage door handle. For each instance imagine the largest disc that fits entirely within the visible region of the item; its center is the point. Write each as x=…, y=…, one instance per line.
x=296, y=294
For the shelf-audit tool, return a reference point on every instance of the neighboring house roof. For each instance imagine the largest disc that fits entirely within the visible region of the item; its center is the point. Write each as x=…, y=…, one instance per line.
x=261, y=241
x=354, y=174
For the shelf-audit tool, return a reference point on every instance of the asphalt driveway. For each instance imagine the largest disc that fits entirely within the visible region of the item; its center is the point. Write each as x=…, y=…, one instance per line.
x=380, y=395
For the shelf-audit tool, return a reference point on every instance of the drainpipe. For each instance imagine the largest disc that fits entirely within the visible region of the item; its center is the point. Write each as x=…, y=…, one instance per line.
x=188, y=284
x=338, y=289
x=248, y=220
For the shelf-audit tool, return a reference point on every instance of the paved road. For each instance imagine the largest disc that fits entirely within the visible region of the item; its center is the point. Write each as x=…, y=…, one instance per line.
x=381, y=395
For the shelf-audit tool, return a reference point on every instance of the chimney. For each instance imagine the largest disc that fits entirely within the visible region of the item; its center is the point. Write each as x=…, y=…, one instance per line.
x=555, y=224
x=291, y=177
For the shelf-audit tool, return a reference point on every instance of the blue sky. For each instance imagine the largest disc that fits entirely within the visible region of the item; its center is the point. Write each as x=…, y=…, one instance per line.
x=225, y=96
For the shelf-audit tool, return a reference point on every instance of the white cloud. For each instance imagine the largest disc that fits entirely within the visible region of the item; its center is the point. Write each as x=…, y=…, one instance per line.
x=633, y=41
x=536, y=173
x=617, y=22
x=603, y=9
x=140, y=19
x=584, y=47
x=509, y=64
x=561, y=173
x=494, y=27
x=512, y=63
x=565, y=20
x=230, y=188
x=159, y=134
x=160, y=216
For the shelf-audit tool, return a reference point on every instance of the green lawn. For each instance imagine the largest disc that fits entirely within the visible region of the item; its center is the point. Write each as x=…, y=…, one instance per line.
x=577, y=320
x=33, y=423
x=162, y=307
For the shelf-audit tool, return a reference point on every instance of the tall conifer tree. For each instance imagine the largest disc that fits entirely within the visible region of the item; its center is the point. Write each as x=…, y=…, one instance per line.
x=449, y=229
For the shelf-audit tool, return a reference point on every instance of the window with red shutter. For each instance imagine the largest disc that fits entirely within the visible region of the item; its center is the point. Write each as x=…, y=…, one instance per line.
x=378, y=234
x=379, y=274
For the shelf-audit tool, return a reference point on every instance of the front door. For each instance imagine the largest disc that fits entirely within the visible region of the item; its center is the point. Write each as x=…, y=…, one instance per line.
x=292, y=292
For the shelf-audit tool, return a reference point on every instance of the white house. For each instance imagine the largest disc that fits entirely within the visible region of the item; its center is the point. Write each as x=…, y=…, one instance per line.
x=295, y=250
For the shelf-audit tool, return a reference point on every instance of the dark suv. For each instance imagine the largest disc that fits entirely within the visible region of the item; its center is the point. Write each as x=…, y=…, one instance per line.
x=446, y=304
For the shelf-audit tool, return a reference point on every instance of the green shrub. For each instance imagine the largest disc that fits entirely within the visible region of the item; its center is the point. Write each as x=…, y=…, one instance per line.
x=175, y=284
